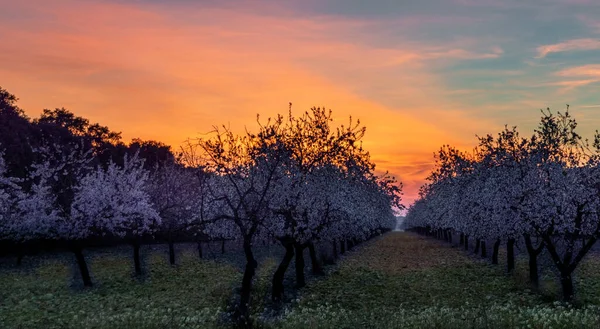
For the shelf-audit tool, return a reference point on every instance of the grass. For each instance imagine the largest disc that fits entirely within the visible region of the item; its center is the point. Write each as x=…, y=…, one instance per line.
x=409, y=270
x=191, y=294
x=400, y=280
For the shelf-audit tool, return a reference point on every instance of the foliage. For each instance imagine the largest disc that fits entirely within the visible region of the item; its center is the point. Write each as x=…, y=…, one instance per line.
x=113, y=202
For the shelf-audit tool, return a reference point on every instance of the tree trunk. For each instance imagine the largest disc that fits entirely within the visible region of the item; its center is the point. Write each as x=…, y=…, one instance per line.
x=566, y=281
x=477, y=245
x=568, y=264
x=300, y=280
x=136, y=257
x=450, y=236
x=317, y=269
x=510, y=255
x=20, y=256
x=349, y=245
x=223, y=246
x=335, y=251
x=533, y=266
x=171, y=252
x=342, y=246
x=243, y=318
x=466, y=242
x=461, y=240
x=277, y=292
x=495, y=252
x=483, y=249
x=533, y=271
x=200, y=249
x=83, y=268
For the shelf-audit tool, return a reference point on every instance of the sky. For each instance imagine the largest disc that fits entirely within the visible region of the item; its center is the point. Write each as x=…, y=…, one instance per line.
x=418, y=74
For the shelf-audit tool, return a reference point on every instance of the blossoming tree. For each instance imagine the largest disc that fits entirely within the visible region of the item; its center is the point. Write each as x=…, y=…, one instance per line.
x=247, y=168
x=114, y=201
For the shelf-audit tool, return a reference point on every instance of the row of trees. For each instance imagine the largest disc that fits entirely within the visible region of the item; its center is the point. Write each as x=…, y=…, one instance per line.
x=296, y=180
x=544, y=189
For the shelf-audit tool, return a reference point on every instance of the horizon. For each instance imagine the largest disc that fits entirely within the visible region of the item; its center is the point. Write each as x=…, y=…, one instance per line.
x=417, y=75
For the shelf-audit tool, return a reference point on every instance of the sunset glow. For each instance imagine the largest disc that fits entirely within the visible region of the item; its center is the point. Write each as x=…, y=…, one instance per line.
x=417, y=74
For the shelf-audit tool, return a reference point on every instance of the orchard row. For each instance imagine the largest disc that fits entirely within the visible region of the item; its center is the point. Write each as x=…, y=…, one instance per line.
x=543, y=189
x=295, y=180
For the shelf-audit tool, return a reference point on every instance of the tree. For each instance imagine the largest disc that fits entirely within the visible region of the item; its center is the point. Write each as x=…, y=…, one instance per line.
x=247, y=168
x=17, y=136
x=508, y=161
x=155, y=154
x=60, y=126
x=115, y=202
x=319, y=157
x=45, y=209
x=565, y=211
x=10, y=196
x=173, y=193
x=204, y=221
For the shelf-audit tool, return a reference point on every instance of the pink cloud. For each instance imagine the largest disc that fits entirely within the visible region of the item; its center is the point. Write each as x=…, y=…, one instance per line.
x=462, y=54
x=570, y=45
x=584, y=75
x=592, y=70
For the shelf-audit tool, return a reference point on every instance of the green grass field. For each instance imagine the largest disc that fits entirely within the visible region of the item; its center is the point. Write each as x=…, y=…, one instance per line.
x=400, y=280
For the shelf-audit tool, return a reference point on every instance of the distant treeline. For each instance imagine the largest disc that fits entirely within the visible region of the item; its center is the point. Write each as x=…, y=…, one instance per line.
x=20, y=135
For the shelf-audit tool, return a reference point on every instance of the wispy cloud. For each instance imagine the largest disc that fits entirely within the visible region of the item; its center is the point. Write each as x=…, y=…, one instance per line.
x=463, y=54
x=570, y=45
x=580, y=76
x=591, y=70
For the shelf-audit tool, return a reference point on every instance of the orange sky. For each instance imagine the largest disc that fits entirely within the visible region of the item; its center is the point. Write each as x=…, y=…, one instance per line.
x=171, y=70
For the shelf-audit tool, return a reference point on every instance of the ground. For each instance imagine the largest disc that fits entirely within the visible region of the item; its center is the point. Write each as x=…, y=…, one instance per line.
x=399, y=280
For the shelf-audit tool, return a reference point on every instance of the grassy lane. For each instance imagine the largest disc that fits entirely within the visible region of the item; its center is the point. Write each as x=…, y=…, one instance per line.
x=407, y=269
